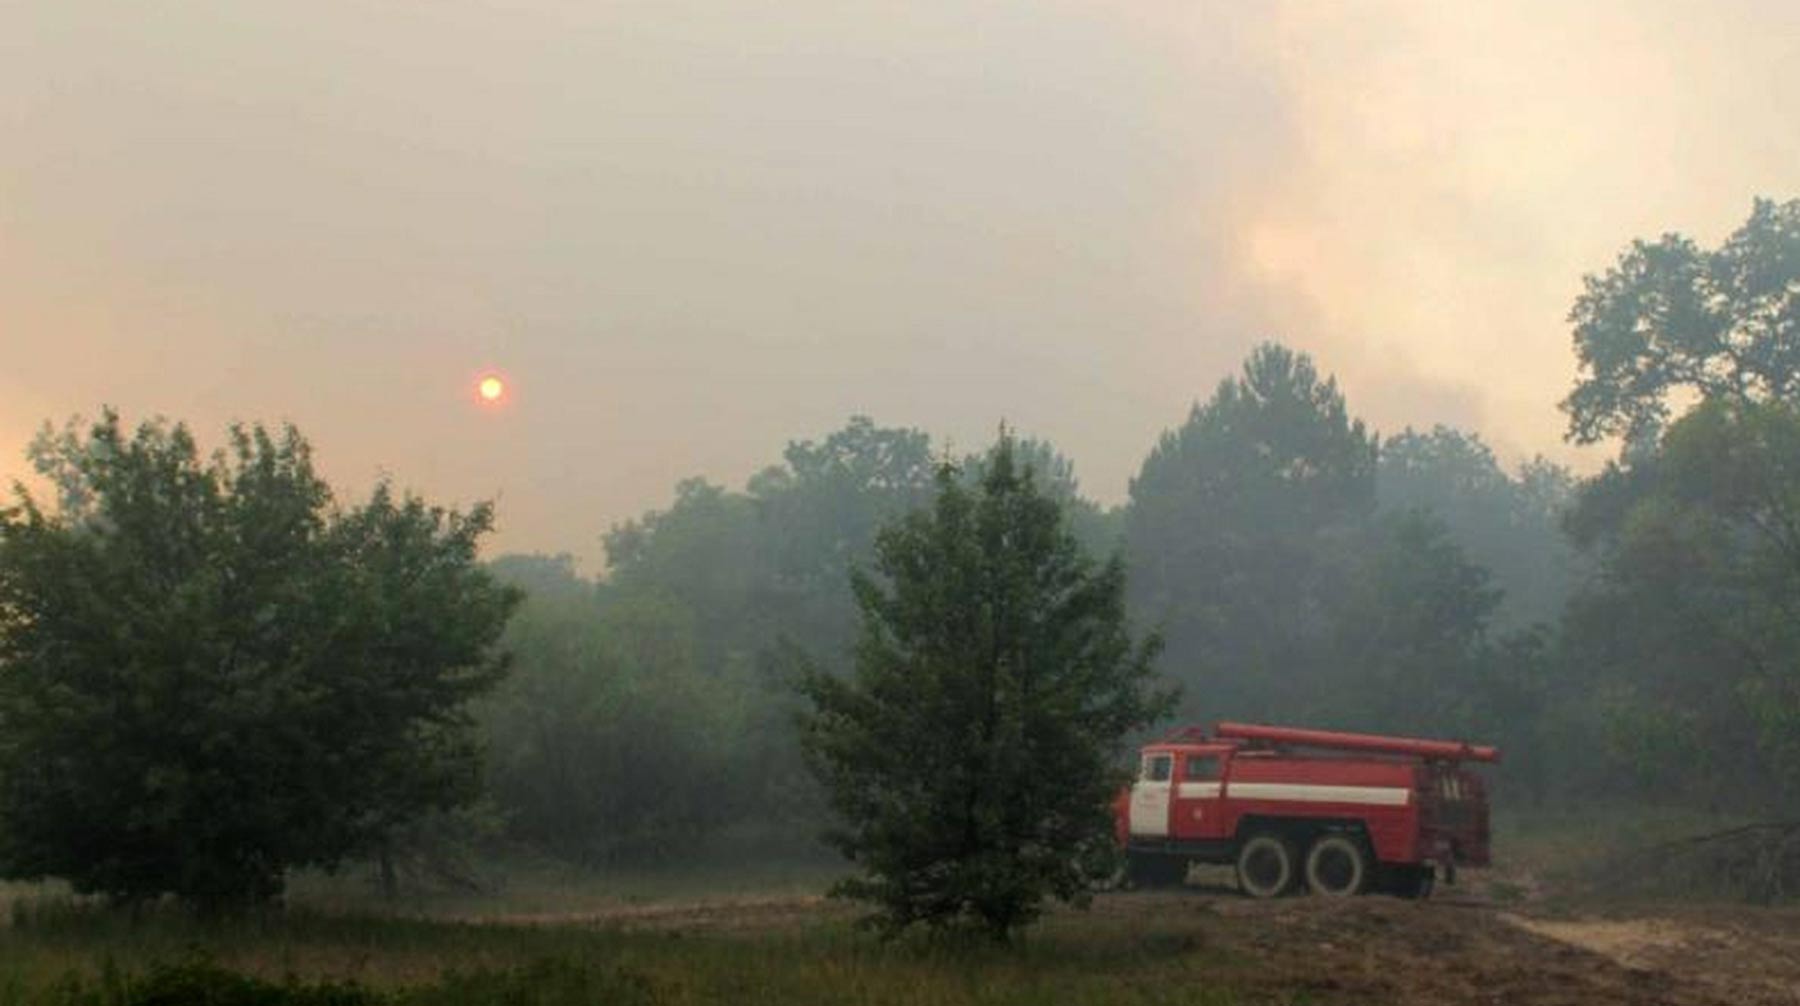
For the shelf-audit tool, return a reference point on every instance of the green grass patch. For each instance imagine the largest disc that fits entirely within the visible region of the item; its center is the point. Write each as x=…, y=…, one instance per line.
x=61, y=950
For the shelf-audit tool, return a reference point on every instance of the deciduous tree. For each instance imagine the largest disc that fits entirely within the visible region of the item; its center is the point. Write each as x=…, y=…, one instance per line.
x=1510, y=523
x=1690, y=629
x=211, y=674
x=1672, y=322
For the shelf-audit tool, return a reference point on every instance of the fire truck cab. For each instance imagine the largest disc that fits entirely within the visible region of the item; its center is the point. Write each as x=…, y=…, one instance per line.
x=1340, y=813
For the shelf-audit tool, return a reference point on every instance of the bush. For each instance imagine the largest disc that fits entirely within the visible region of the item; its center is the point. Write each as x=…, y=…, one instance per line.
x=203, y=983
x=211, y=674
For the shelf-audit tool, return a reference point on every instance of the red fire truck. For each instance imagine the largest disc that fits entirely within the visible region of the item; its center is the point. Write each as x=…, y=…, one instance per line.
x=1342, y=813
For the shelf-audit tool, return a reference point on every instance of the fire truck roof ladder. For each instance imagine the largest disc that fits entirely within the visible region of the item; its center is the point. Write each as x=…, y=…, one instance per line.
x=1337, y=740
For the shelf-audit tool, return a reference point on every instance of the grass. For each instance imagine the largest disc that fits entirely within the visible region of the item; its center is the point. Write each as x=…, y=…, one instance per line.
x=551, y=935
x=1574, y=854
x=60, y=949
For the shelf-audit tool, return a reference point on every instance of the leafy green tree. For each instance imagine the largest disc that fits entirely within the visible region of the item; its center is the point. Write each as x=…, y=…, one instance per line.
x=606, y=742
x=774, y=560
x=1510, y=524
x=1285, y=591
x=1676, y=638
x=704, y=555
x=1413, y=611
x=1673, y=321
x=820, y=512
x=719, y=581
x=970, y=756
x=1690, y=630
x=702, y=605
x=210, y=674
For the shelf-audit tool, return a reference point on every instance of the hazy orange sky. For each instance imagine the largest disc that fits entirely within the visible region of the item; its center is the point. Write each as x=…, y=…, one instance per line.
x=690, y=232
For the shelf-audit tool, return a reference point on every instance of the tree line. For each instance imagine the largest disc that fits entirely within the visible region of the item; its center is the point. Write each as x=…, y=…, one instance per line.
x=181, y=635
x=1623, y=636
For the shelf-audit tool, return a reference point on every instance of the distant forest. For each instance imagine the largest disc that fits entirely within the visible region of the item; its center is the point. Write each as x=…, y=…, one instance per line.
x=1630, y=636
x=212, y=671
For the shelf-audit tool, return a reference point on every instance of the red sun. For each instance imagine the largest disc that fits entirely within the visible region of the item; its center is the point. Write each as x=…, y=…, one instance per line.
x=491, y=389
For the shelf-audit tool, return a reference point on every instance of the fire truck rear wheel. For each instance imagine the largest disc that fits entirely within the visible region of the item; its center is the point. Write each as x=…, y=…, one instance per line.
x=1265, y=866
x=1337, y=866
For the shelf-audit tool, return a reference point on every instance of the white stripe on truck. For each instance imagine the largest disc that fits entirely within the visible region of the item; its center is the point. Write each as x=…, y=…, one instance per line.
x=1384, y=796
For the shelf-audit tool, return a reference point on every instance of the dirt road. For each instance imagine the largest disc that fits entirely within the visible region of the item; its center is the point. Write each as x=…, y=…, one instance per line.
x=1741, y=955
x=1448, y=951
x=1380, y=950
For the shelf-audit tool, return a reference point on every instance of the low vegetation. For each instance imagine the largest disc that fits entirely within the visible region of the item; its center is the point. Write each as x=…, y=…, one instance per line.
x=59, y=951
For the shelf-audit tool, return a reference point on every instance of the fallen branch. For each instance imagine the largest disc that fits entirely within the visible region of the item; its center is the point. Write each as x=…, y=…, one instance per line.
x=1784, y=827
x=1757, y=862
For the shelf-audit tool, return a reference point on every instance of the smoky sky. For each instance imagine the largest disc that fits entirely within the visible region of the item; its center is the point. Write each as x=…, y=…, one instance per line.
x=690, y=232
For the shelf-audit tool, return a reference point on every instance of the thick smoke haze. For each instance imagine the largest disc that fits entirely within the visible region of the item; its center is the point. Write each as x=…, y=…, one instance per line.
x=689, y=232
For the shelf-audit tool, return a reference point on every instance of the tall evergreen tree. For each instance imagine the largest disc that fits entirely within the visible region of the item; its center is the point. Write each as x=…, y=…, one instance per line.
x=971, y=754
x=1240, y=532
x=1258, y=546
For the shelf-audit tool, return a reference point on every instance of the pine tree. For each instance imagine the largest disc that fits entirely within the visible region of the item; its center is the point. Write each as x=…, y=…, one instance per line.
x=971, y=754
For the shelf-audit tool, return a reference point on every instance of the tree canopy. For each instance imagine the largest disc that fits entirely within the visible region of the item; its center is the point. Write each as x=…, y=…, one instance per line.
x=609, y=741
x=1238, y=529
x=1672, y=322
x=1275, y=445
x=1260, y=545
x=211, y=674
x=1508, y=523
x=1690, y=628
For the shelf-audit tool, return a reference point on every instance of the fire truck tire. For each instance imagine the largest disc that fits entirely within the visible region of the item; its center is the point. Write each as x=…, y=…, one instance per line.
x=1337, y=866
x=1146, y=870
x=1266, y=866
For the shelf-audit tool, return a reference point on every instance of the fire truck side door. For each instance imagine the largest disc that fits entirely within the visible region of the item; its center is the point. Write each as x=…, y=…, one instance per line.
x=1150, y=796
x=1197, y=811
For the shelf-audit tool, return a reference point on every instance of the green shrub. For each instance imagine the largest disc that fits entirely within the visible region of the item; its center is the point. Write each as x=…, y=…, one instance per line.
x=203, y=983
